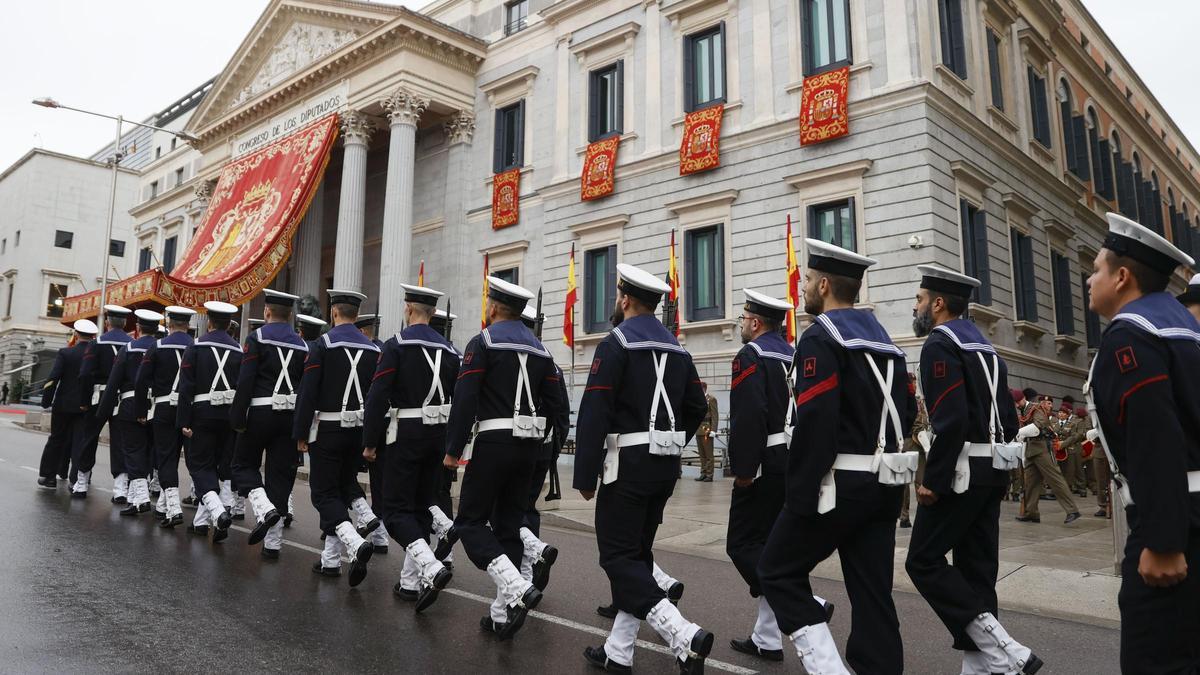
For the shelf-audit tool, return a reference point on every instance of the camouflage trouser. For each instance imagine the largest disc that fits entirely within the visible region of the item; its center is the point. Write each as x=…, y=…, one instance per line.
x=1103, y=484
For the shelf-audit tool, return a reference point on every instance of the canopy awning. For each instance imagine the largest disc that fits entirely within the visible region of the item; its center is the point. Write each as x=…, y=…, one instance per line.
x=245, y=236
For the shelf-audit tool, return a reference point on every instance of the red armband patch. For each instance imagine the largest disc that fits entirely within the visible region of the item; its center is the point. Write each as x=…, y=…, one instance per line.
x=939, y=370
x=810, y=366
x=1126, y=361
x=467, y=358
x=595, y=366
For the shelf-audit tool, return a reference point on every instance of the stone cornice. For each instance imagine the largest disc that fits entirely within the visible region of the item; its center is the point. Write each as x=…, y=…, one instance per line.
x=566, y=8
x=624, y=32
x=523, y=77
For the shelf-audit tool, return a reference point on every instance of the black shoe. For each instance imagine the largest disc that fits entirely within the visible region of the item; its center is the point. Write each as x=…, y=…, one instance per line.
x=78, y=495
x=1032, y=665
x=198, y=529
x=190, y=501
x=445, y=545
x=222, y=532
x=119, y=500
x=381, y=550
x=287, y=521
x=239, y=516
x=516, y=615
x=269, y=553
x=1071, y=517
x=135, y=509
x=704, y=479
x=541, y=568
x=260, y=530
x=48, y=482
x=607, y=611
x=159, y=515
x=370, y=527
x=675, y=592
x=1048, y=497
x=170, y=523
x=905, y=523
x=358, y=568
x=318, y=568
x=404, y=593
x=598, y=658
x=1029, y=519
x=829, y=607
x=702, y=644
x=429, y=594
x=747, y=646
x=490, y=626
x=1102, y=513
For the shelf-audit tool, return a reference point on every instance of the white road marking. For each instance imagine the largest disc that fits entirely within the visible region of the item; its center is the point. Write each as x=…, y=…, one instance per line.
x=29, y=468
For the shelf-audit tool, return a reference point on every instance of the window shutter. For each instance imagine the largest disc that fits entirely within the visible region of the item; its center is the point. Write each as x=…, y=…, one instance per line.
x=724, y=54
x=982, y=271
x=1028, y=289
x=619, y=92
x=610, y=274
x=852, y=245
x=957, y=54
x=1080, y=140
x=1043, y=113
x=519, y=151
x=993, y=52
x=1064, y=301
x=1031, y=78
x=498, y=143
x=1068, y=131
x=944, y=31
x=1097, y=165
x=689, y=74
x=1106, y=169
x=593, y=106
x=1156, y=209
x=718, y=248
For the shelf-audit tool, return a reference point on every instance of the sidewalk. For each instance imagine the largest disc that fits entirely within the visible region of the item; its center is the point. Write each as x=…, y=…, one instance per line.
x=1062, y=571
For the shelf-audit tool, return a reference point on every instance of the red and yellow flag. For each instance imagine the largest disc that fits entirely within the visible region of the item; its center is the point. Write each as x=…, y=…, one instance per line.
x=673, y=282
x=483, y=299
x=793, y=283
x=569, y=310
x=421, y=274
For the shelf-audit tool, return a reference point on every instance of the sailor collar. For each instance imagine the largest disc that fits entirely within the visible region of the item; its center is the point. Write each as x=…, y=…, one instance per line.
x=280, y=334
x=646, y=332
x=421, y=335
x=115, y=337
x=857, y=329
x=1161, y=315
x=966, y=335
x=175, y=341
x=513, y=336
x=218, y=339
x=771, y=345
x=347, y=336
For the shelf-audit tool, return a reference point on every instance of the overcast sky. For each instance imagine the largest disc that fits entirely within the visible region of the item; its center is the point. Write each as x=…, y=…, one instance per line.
x=134, y=57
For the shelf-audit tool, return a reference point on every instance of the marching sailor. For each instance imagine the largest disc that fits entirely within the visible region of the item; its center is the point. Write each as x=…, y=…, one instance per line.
x=207, y=376
x=1191, y=297
x=966, y=475
x=157, y=397
x=98, y=360
x=262, y=414
x=309, y=328
x=639, y=369
x=845, y=473
x=408, y=406
x=328, y=426
x=65, y=396
x=368, y=325
x=1145, y=400
x=507, y=389
x=442, y=509
x=118, y=403
x=670, y=585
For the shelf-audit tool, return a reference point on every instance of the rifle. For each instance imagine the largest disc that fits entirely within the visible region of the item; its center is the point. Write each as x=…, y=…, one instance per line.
x=541, y=318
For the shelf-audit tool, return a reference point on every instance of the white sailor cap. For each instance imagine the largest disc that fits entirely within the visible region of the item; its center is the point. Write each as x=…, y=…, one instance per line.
x=365, y=320
x=421, y=294
x=443, y=315
x=280, y=298
x=529, y=316
x=117, y=310
x=1192, y=295
x=344, y=297
x=640, y=284
x=764, y=305
x=161, y=329
x=1127, y=238
x=177, y=313
x=825, y=257
x=310, y=320
x=941, y=280
x=510, y=295
x=85, y=327
x=147, y=316
x=255, y=323
x=218, y=309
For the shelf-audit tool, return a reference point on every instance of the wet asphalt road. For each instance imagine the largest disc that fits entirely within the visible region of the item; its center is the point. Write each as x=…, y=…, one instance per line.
x=85, y=590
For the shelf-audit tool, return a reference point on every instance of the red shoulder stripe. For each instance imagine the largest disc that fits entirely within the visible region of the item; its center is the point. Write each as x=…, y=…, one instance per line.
x=824, y=386
x=1144, y=383
x=382, y=373
x=742, y=376
x=952, y=387
x=469, y=372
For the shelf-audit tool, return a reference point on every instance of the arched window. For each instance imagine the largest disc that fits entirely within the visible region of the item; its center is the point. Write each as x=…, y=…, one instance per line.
x=1075, y=151
x=1101, y=171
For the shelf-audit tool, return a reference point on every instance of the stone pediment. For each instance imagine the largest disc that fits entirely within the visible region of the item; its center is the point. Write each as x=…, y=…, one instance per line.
x=301, y=45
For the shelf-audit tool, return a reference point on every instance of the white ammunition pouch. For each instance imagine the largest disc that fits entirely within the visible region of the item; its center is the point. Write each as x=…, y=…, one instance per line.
x=667, y=443
x=347, y=419
x=279, y=399
x=612, y=459
x=216, y=397
x=1006, y=456
x=521, y=426
x=97, y=393
x=784, y=437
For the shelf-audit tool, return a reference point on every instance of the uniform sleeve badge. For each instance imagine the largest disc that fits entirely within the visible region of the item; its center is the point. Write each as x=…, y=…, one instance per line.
x=1126, y=361
x=810, y=366
x=939, y=370
x=595, y=366
x=468, y=357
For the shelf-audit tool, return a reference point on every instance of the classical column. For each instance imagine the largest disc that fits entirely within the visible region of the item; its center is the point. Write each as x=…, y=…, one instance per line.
x=562, y=106
x=395, y=255
x=459, y=132
x=306, y=261
x=348, y=256
x=653, y=75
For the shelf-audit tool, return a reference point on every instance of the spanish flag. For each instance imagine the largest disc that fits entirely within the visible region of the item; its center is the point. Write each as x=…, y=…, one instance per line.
x=673, y=282
x=793, y=283
x=569, y=310
x=483, y=299
x=421, y=275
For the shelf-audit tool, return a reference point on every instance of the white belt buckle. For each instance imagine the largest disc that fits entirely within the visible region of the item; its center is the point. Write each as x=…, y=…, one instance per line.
x=897, y=468
x=351, y=418
x=962, y=472
x=174, y=398
x=528, y=426
x=283, y=401
x=667, y=443
x=1008, y=456
x=392, y=427
x=827, y=497
x=612, y=459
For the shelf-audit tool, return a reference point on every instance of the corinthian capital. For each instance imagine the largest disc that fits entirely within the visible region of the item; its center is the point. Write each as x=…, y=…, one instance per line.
x=404, y=107
x=460, y=128
x=356, y=127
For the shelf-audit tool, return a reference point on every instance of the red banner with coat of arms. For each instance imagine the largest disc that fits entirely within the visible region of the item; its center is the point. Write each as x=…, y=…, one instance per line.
x=701, y=146
x=506, y=198
x=823, y=102
x=599, y=168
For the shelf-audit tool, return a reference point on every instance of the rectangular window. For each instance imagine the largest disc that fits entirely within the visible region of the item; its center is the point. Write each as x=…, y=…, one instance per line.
x=975, y=250
x=704, y=67
x=1064, y=300
x=705, y=270
x=1126, y=199
x=174, y=140
x=144, y=258
x=995, y=72
x=511, y=275
x=63, y=239
x=17, y=239
x=833, y=223
x=826, y=35
x=3, y=246
x=516, y=16
x=178, y=176
x=168, y=258
x=55, y=300
x=157, y=152
x=1075, y=142
x=153, y=189
x=1090, y=318
x=606, y=101
x=950, y=28
x=116, y=248
x=1024, y=288
x=1098, y=173
x=600, y=284
x=509, y=148
x=1039, y=111
x=12, y=285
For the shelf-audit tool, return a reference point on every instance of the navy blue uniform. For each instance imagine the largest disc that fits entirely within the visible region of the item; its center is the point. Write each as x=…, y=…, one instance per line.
x=617, y=400
x=412, y=473
x=759, y=400
x=838, y=405
x=959, y=398
x=556, y=435
x=210, y=452
x=157, y=379
x=64, y=396
x=1147, y=400
x=118, y=403
x=98, y=359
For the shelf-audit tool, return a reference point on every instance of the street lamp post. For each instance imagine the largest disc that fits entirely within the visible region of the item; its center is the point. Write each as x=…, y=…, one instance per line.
x=48, y=102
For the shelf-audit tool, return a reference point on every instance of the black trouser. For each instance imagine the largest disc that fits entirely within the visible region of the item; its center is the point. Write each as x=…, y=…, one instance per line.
x=628, y=514
x=533, y=517
x=211, y=439
x=375, y=477
x=65, y=427
x=969, y=525
x=85, y=442
x=752, y=513
x=270, y=431
x=135, y=447
x=863, y=532
x=168, y=441
x=495, y=488
x=1159, y=626
x=411, y=479
x=442, y=497
x=333, y=461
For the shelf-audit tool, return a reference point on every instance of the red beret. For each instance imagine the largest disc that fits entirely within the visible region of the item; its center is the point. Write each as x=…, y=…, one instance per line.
x=1081, y=412
x=1017, y=395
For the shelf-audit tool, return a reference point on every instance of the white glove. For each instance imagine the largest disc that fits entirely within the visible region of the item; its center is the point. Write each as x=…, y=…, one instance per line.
x=1028, y=431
